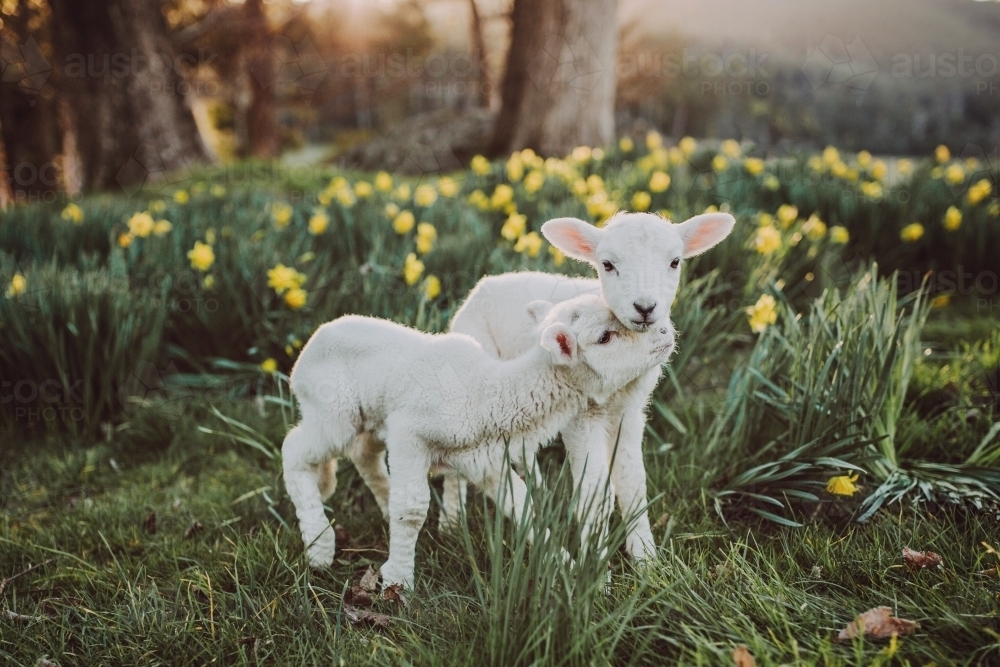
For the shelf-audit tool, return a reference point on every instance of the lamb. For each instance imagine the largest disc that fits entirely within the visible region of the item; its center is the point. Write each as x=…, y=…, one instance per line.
x=638, y=258
x=441, y=400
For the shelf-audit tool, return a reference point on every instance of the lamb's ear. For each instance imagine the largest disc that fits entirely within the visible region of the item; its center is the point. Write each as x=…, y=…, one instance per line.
x=560, y=341
x=537, y=310
x=576, y=238
x=704, y=231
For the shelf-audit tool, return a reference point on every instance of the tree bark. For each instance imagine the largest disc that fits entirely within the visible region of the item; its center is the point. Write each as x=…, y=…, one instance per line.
x=559, y=85
x=479, y=56
x=124, y=86
x=261, y=126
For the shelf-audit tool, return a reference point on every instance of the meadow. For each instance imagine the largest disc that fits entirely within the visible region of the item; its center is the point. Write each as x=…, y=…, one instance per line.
x=834, y=400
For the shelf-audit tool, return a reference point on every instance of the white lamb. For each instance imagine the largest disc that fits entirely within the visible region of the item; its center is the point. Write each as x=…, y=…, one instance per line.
x=442, y=401
x=638, y=258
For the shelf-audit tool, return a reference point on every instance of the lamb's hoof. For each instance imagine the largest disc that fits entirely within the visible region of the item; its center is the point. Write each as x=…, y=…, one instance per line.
x=392, y=576
x=322, y=551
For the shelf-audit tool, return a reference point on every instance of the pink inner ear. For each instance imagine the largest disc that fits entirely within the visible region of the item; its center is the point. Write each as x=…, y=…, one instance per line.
x=578, y=241
x=564, y=345
x=701, y=237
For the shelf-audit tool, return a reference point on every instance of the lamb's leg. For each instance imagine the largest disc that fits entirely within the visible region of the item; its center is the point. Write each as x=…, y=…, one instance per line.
x=452, y=499
x=368, y=454
x=629, y=476
x=586, y=449
x=409, y=500
x=327, y=478
x=302, y=480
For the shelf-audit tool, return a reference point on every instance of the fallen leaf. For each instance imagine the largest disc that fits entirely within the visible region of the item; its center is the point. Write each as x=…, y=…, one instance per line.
x=394, y=593
x=365, y=617
x=358, y=597
x=920, y=559
x=369, y=580
x=877, y=623
x=742, y=657
x=193, y=530
x=42, y=662
x=150, y=523
x=817, y=571
x=662, y=521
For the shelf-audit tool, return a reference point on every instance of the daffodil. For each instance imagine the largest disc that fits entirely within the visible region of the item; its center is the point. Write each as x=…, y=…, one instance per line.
x=125, y=240
x=625, y=145
x=558, y=256
x=295, y=298
x=719, y=163
x=425, y=195
x=952, y=219
x=514, y=226
x=515, y=168
x=979, y=191
x=581, y=154
x=218, y=191
x=363, y=189
x=653, y=140
x=942, y=154
x=318, y=223
x=284, y=278
x=502, y=195
x=753, y=165
x=281, y=214
x=412, y=269
x=771, y=182
x=208, y=282
x=391, y=210
x=534, y=181
x=767, y=240
x=641, y=201
x=940, y=301
x=831, y=156
x=904, y=167
x=912, y=232
x=432, y=287
x=787, y=214
x=843, y=485
x=864, y=159
x=162, y=227
x=763, y=313
x=814, y=228
x=529, y=244
x=479, y=199
x=480, y=165
x=181, y=197
x=839, y=234
x=383, y=182
x=402, y=192
x=210, y=236
x=404, y=222
x=269, y=365
x=731, y=148
x=141, y=225
x=426, y=235
x=448, y=186
x=879, y=170
x=871, y=189
x=687, y=146
x=955, y=173
x=72, y=212
x=157, y=206
x=659, y=181
x=18, y=285
x=201, y=256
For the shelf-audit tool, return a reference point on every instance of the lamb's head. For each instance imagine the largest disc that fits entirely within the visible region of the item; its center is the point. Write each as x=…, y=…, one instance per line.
x=600, y=354
x=638, y=258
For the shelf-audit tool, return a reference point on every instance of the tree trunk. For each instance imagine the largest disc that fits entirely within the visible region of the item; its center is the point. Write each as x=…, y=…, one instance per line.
x=124, y=86
x=559, y=85
x=6, y=194
x=261, y=126
x=479, y=56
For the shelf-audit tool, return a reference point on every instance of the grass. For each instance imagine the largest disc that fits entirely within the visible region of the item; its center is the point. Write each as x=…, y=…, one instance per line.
x=146, y=511
x=238, y=591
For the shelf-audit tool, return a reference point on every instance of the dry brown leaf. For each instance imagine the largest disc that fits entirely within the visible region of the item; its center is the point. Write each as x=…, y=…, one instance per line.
x=369, y=580
x=150, y=523
x=877, y=623
x=920, y=559
x=193, y=530
x=662, y=521
x=742, y=657
x=365, y=617
x=394, y=593
x=358, y=596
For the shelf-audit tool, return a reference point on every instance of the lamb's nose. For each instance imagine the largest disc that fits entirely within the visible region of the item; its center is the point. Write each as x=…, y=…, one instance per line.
x=643, y=310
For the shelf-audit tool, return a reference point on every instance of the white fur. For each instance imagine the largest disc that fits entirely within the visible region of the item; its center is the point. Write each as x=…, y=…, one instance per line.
x=644, y=252
x=443, y=401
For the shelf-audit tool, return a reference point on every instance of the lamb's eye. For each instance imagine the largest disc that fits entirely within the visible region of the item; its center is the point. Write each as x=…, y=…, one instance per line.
x=605, y=338
x=674, y=264
x=608, y=266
